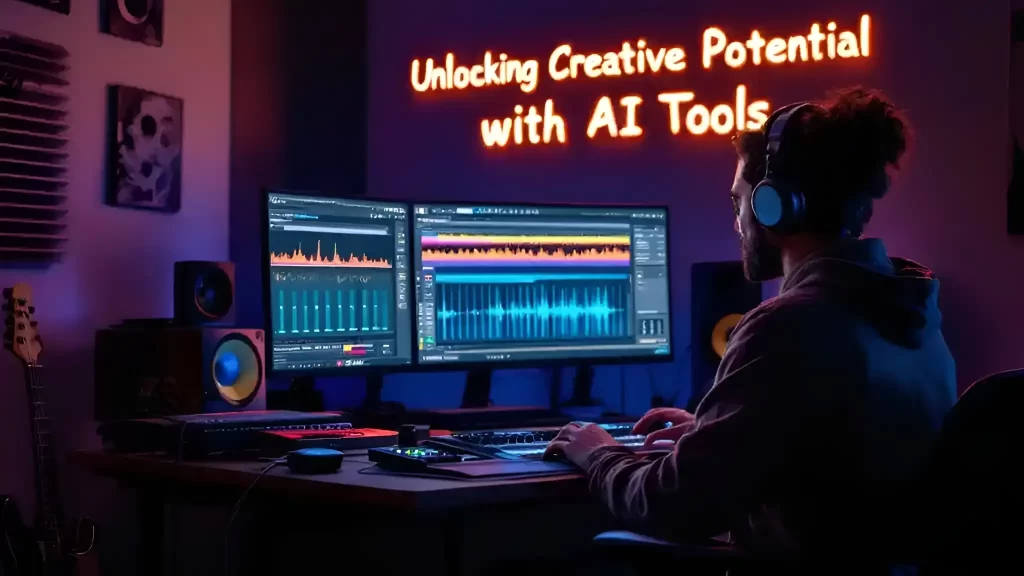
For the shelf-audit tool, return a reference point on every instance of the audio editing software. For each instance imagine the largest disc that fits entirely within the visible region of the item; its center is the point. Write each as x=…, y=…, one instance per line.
x=519, y=283
x=339, y=284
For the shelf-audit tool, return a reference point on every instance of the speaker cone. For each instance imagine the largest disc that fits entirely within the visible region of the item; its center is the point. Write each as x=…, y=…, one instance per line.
x=213, y=293
x=236, y=370
x=722, y=331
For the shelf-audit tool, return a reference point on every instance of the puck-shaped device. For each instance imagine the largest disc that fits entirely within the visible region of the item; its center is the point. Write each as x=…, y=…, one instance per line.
x=315, y=461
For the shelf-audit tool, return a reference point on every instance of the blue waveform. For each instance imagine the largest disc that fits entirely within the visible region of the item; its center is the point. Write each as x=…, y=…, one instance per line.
x=534, y=311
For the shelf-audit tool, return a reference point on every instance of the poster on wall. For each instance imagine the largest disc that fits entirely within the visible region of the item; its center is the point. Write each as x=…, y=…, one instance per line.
x=1015, y=195
x=136, y=20
x=145, y=150
x=62, y=6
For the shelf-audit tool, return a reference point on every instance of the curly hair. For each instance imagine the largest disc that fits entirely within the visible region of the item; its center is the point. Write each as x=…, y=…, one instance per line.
x=838, y=155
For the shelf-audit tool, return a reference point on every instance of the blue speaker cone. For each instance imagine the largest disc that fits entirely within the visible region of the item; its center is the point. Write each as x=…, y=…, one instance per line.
x=227, y=368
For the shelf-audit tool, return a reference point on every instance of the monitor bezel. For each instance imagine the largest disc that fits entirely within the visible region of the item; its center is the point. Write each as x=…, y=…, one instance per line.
x=534, y=362
x=333, y=372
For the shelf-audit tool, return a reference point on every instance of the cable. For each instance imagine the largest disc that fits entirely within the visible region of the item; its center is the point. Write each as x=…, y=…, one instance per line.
x=238, y=507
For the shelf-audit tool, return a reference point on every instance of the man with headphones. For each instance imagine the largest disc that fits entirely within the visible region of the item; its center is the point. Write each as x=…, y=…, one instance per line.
x=830, y=394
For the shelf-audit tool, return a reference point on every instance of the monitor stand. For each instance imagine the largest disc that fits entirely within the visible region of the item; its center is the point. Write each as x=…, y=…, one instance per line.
x=477, y=411
x=301, y=396
x=581, y=405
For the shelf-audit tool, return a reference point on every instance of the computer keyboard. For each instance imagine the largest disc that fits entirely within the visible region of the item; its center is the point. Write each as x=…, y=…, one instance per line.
x=528, y=443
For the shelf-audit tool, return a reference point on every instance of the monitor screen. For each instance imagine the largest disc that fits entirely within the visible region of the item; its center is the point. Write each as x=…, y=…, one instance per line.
x=518, y=283
x=337, y=283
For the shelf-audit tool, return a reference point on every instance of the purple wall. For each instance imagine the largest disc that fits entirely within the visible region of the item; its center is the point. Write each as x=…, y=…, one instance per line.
x=119, y=262
x=944, y=61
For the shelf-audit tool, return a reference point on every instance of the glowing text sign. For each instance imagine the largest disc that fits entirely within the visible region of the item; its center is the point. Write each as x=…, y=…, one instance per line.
x=617, y=118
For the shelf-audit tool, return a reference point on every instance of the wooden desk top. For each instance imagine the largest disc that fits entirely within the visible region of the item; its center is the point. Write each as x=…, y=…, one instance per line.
x=347, y=485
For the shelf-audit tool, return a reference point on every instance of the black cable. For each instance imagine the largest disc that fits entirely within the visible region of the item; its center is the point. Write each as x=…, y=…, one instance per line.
x=238, y=507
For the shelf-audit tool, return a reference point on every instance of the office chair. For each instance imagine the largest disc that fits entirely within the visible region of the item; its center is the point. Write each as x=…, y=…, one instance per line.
x=970, y=506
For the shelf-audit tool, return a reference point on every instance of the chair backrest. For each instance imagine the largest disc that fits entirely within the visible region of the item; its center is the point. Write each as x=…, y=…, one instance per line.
x=972, y=505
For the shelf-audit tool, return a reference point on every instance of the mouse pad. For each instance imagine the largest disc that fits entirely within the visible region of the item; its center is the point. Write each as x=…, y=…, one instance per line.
x=485, y=470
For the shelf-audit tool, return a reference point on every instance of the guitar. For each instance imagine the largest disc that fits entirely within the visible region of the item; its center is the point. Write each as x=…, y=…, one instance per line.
x=42, y=551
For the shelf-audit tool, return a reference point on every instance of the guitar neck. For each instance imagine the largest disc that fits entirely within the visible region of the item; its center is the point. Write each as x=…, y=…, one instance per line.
x=48, y=513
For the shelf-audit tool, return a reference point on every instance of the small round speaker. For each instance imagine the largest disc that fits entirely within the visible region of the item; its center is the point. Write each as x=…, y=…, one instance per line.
x=214, y=293
x=722, y=331
x=237, y=371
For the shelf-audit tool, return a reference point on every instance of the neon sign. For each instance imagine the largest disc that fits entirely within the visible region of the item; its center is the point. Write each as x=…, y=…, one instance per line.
x=616, y=117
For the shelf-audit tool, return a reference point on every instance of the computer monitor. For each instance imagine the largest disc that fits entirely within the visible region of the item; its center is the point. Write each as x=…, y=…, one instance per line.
x=507, y=284
x=336, y=285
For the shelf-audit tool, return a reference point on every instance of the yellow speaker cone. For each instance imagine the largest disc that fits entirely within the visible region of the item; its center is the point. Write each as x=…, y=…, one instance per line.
x=236, y=371
x=721, y=332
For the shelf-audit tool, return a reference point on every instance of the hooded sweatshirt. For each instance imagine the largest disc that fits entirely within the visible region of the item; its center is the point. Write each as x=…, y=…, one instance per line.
x=824, y=407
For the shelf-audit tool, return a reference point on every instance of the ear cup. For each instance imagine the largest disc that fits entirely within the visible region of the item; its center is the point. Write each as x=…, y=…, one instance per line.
x=775, y=209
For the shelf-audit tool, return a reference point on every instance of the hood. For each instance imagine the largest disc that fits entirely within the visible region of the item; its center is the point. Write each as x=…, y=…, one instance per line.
x=898, y=297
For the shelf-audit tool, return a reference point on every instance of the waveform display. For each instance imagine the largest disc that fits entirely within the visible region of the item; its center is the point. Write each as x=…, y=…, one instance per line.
x=299, y=258
x=291, y=249
x=523, y=240
x=576, y=310
x=333, y=311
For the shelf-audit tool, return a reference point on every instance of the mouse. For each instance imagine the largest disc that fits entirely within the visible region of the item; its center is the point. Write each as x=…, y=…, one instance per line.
x=315, y=461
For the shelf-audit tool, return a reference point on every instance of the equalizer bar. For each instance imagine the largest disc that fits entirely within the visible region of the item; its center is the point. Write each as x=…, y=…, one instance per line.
x=363, y=310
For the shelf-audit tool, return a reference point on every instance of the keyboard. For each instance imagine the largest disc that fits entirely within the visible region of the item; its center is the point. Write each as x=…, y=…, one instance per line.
x=529, y=443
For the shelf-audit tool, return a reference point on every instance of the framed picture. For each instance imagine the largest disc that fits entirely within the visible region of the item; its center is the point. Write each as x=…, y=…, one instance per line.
x=1015, y=194
x=145, y=150
x=135, y=20
x=62, y=6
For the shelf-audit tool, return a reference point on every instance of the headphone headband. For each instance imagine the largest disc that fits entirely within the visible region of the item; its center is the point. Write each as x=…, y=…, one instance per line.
x=776, y=204
x=775, y=126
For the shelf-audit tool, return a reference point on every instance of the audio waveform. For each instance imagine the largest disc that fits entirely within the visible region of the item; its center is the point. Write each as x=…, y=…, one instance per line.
x=524, y=240
x=317, y=277
x=355, y=310
x=521, y=256
x=299, y=258
x=556, y=310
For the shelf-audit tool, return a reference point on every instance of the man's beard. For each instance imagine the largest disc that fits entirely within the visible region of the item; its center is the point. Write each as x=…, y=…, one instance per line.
x=762, y=258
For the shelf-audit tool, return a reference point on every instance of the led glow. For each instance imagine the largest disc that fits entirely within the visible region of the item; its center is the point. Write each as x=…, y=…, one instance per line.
x=839, y=44
x=490, y=72
x=619, y=116
x=496, y=133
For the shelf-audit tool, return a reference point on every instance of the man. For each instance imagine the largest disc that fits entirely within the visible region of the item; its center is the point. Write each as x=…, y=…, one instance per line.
x=829, y=395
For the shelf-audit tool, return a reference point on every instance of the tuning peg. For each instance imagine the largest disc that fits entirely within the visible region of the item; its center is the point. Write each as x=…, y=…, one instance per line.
x=33, y=324
x=31, y=309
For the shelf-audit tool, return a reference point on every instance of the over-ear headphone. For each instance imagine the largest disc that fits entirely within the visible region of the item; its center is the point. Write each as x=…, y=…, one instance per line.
x=779, y=205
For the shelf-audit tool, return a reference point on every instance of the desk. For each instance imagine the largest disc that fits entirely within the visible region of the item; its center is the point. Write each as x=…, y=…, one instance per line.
x=459, y=526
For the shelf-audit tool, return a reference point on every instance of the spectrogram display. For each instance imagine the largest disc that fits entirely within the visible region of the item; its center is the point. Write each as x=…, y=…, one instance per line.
x=538, y=250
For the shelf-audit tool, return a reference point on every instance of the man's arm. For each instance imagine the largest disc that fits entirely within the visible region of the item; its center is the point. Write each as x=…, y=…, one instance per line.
x=715, y=471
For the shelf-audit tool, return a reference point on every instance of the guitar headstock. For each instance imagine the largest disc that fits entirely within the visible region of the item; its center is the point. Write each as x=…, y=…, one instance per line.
x=20, y=335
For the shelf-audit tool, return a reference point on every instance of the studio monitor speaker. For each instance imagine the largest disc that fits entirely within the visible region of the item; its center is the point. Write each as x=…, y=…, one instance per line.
x=721, y=295
x=204, y=293
x=149, y=369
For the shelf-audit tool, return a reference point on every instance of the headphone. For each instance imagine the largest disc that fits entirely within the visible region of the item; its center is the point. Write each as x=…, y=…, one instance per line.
x=779, y=206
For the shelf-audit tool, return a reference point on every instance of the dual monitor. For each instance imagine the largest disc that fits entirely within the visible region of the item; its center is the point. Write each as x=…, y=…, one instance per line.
x=354, y=284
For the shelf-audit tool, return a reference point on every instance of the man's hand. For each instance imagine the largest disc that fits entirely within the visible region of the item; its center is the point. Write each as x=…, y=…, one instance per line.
x=578, y=443
x=664, y=424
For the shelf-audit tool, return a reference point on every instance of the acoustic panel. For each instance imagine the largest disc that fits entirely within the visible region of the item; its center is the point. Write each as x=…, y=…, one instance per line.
x=33, y=139
x=1015, y=193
